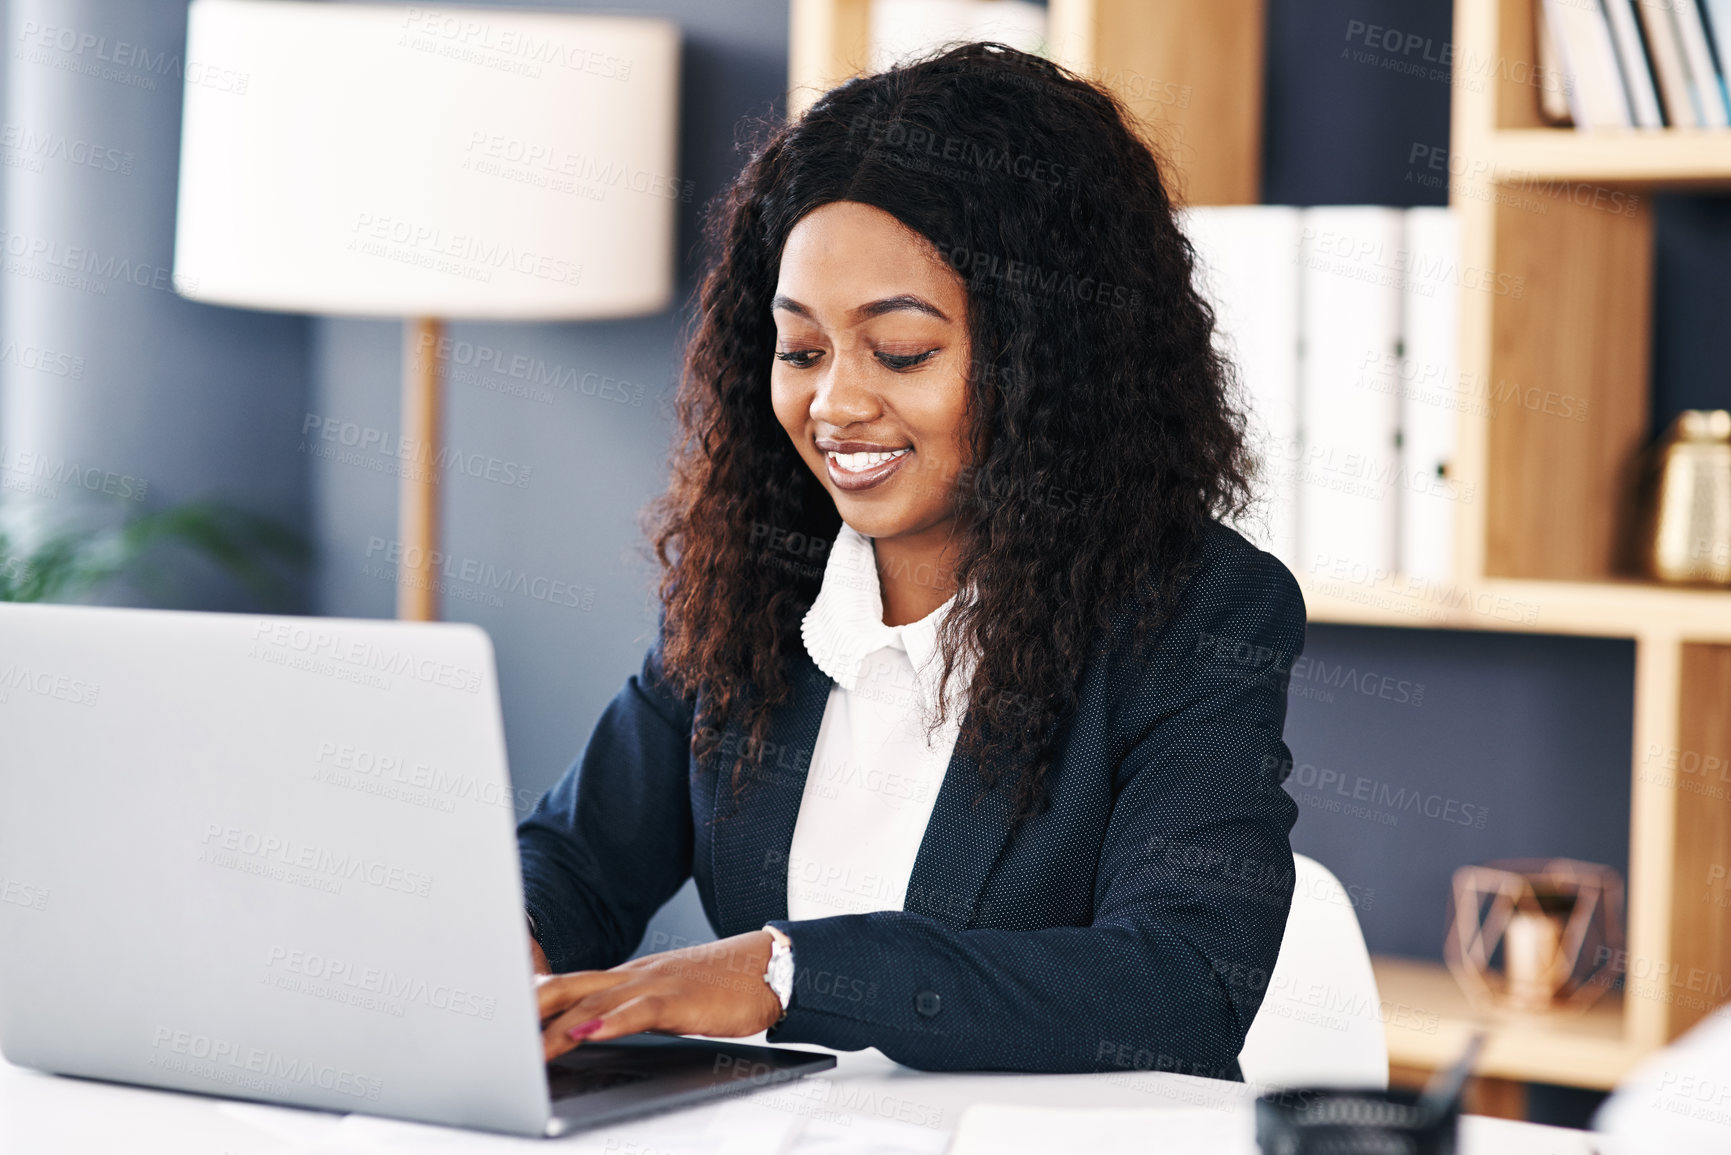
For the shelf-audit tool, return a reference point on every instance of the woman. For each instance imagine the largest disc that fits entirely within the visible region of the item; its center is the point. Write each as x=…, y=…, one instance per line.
x=966, y=711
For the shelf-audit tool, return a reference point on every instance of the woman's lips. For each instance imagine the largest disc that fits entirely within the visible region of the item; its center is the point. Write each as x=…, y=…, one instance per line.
x=866, y=476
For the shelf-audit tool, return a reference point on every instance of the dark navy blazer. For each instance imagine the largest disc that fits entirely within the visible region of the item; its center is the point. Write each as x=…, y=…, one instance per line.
x=1132, y=924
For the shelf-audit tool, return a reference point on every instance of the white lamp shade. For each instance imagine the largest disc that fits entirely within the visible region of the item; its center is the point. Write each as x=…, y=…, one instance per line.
x=453, y=163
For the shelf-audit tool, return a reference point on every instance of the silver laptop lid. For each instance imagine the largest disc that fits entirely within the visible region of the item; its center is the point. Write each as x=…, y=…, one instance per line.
x=265, y=857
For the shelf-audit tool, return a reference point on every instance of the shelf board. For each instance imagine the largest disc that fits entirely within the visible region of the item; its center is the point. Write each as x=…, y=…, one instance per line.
x=1610, y=609
x=1656, y=159
x=1429, y=1020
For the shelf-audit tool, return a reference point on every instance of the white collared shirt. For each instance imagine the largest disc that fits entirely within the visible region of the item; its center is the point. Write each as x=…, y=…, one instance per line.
x=874, y=776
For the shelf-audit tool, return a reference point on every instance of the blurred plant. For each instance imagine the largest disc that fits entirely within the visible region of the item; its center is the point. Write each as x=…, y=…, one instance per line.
x=257, y=551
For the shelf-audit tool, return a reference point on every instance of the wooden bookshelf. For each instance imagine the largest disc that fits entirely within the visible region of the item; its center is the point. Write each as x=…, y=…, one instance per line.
x=1559, y=224
x=1163, y=57
x=1564, y=220
x=1429, y=1022
x=1673, y=158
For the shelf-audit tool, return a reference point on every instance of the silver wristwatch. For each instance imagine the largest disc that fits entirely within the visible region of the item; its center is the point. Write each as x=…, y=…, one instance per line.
x=779, y=974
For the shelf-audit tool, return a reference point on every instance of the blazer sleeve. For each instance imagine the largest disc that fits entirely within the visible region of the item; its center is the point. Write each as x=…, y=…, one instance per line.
x=612, y=840
x=1192, y=886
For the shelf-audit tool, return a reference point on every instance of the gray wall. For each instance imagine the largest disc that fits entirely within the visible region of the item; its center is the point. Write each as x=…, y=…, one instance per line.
x=104, y=371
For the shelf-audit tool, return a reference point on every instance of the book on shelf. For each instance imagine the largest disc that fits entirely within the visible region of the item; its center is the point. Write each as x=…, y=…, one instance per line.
x=1341, y=325
x=1705, y=84
x=1665, y=52
x=1632, y=66
x=1717, y=15
x=1582, y=35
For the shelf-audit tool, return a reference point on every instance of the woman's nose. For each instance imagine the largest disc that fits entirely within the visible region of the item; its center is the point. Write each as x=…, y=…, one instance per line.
x=844, y=396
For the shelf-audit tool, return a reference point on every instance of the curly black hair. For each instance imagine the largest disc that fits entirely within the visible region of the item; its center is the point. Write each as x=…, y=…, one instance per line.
x=1104, y=432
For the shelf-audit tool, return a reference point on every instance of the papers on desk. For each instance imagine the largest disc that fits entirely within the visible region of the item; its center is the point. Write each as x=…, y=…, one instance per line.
x=1003, y=1129
x=770, y=1122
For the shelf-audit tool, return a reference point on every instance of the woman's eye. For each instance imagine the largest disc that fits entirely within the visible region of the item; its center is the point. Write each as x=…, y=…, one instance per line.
x=900, y=361
x=799, y=358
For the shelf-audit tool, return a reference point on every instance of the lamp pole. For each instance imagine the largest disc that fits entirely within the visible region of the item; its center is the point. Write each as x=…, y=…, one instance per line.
x=418, y=484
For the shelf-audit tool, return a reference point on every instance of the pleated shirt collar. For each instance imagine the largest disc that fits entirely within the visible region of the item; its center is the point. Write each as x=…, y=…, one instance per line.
x=845, y=625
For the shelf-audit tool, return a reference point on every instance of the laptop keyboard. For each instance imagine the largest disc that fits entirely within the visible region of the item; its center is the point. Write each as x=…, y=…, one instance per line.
x=566, y=1083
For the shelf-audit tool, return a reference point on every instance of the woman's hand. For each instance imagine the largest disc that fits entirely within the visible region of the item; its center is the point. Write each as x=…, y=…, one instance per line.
x=713, y=989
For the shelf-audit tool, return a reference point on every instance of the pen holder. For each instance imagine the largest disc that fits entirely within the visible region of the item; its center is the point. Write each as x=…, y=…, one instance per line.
x=1319, y=1121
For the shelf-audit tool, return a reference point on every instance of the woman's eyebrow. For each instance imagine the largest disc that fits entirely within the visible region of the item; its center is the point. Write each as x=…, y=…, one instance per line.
x=870, y=309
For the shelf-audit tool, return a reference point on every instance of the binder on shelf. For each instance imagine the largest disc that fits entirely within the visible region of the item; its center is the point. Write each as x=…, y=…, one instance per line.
x=1632, y=63
x=1430, y=397
x=1350, y=285
x=1698, y=58
x=1666, y=52
x=905, y=29
x=1247, y=258
x=1583, y=37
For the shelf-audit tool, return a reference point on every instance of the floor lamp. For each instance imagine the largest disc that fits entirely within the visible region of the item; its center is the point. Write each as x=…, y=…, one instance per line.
x=481, y=163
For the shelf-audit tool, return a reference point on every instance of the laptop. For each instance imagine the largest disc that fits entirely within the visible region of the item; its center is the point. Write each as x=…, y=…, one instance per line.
x=275, y=858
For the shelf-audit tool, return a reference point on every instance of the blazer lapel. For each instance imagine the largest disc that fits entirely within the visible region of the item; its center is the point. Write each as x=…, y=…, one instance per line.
x=750, y=841
x=963, y=839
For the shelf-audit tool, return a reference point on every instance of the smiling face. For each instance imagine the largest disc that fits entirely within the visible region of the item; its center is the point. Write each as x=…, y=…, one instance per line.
x=871, y=367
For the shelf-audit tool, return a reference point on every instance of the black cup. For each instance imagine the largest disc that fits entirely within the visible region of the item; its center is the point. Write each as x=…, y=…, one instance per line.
x=1321, y=1121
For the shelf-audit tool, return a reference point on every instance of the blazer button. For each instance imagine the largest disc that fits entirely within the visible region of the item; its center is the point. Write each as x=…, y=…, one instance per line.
x=927, y=1003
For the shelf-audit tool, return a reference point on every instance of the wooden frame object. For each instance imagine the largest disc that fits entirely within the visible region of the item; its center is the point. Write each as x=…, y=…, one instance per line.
x=1191, y=73
x=1555, y=341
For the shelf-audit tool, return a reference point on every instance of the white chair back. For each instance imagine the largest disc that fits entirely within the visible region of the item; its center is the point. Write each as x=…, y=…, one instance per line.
x=1321, y=1021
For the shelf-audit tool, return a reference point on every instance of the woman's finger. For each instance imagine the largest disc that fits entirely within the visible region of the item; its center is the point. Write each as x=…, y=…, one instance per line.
x=578, y=1023
x=558, y=993
x=646, y=1012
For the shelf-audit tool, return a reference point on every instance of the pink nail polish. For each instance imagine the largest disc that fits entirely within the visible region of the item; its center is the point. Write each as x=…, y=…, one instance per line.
x=583, y=1030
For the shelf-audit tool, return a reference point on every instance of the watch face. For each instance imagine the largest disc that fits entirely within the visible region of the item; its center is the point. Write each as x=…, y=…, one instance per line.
x=779, y=976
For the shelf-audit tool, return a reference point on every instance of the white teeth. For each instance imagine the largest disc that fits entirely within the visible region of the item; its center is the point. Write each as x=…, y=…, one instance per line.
x=860, y=462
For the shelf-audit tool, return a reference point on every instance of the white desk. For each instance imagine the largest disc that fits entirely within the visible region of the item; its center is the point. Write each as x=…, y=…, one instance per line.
x=866, y=1106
